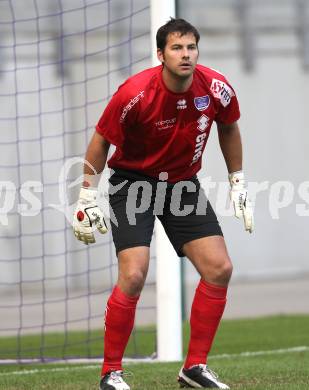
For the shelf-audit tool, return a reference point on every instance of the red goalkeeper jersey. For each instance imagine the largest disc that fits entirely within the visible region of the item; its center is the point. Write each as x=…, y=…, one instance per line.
x=156, y=130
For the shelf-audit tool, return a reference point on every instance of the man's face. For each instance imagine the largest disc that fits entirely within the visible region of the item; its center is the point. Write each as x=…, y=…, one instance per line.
x=180, y=54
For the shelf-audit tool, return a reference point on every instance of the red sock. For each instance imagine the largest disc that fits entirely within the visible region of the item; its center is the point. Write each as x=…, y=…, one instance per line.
x=119, y=321
x=206, y=312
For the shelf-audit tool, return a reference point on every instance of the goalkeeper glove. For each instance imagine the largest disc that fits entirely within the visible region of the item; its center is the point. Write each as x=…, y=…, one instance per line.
x=239, y=197
x=88, y=216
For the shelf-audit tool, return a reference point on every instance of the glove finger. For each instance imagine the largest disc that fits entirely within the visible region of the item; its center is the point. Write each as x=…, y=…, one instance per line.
x=81, y=237
x=237, y=210
x=87, y=237
x=249, y=223
x=102, y=229
x=248, y=217
x=101, y=226
x=91, y=239
x=77, y=234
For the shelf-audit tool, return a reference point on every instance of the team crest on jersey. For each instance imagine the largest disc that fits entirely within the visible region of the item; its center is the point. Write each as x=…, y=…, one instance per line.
x=181, y=104
x=202, y=102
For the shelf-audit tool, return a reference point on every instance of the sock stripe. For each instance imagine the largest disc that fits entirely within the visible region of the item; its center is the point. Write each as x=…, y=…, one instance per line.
x=212, y=290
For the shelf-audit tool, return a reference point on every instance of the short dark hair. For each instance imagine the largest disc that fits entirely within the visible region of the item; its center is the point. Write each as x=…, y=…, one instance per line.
x=173, y=26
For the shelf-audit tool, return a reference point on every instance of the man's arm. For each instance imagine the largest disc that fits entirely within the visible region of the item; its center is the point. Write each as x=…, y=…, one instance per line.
x=96, y=156
x=230, y=143
x=88, y=216
x=231, y=146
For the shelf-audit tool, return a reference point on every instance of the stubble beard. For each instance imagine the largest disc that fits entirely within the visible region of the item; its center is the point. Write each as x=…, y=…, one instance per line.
x=178, y=75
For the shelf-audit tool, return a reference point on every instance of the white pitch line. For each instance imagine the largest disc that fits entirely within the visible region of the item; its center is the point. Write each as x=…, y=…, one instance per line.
x=130, y=361
x=260, y=353
x=38, y=371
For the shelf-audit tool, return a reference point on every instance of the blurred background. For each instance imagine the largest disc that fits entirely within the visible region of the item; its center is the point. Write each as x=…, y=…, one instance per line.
x=61, y=61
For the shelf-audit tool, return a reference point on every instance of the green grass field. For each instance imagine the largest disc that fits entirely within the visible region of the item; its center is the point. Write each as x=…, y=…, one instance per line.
x=284, y=369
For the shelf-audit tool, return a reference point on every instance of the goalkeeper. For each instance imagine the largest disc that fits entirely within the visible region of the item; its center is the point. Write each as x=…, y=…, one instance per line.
x=159, y=120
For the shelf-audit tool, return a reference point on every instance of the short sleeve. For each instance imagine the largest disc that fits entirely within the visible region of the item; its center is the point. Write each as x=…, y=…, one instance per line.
x=228, y=107
x=118, y=115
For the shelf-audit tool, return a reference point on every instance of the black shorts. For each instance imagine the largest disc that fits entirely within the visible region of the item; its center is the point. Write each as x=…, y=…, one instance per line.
x=135, y=201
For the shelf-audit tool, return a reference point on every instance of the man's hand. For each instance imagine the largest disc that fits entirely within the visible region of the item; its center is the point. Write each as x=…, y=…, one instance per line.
x=88, y=216
x=239, y=197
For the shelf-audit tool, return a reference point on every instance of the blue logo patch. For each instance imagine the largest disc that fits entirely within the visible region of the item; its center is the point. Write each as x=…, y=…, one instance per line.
x=202, y=102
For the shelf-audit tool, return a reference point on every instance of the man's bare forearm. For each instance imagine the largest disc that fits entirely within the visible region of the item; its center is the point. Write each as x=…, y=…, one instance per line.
x=96, y=157
x=231, y=146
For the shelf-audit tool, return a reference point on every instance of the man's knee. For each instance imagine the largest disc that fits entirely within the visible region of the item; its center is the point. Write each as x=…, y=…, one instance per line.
x=221, y=271
x=133, y=267
x=132, y=281
x=225, y=269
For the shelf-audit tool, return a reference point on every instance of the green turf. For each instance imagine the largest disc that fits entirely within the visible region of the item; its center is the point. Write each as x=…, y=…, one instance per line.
x=75, y=344
x=274, y=371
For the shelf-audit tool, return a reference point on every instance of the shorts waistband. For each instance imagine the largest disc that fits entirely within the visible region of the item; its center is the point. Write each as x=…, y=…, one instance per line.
x=140, y=176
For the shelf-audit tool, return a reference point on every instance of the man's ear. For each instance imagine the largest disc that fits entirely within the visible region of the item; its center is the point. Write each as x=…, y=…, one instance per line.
x=160, y=55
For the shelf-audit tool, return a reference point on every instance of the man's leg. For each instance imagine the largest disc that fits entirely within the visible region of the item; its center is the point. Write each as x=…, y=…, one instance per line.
x=120, y=309
x=210, y=258
x=132, y=241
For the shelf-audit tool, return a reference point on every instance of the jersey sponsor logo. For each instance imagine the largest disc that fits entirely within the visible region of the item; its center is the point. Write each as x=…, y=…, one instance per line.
x=130, y=105
x=165, y=124
x=222, y=91
x=199, y=144
x=202, y=102
x=181, y=104
x=203, y=123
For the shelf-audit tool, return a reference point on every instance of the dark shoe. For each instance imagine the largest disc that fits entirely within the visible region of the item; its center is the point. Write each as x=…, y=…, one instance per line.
x=113, y=381
x=199, y=376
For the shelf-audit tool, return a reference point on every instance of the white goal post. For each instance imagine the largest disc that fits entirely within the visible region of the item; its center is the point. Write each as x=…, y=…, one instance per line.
x=169, y=323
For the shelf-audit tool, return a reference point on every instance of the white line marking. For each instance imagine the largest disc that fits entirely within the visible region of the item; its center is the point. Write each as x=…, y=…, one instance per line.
x=260, y=353
x=38, y=371
x=130, y=361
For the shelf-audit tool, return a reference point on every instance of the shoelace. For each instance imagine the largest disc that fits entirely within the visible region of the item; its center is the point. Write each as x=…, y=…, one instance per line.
x=117, y=375
x=206, y=369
